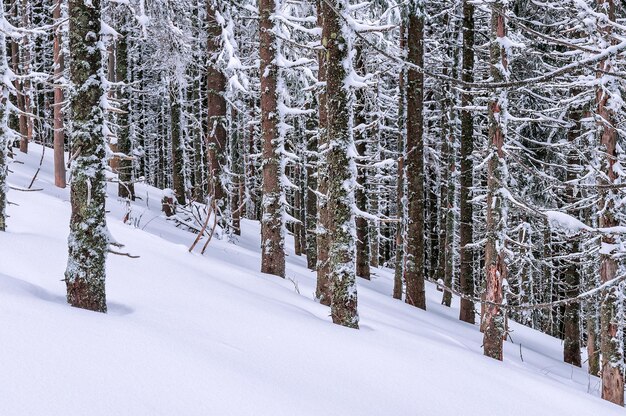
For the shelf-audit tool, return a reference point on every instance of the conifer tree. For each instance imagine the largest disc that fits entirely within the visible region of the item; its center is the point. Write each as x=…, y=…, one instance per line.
x=6, y=134
x=336, y=39
x=495, y=262
x=58, y=125
x=414, y=157
x=466, y=177
x=612, y=308
x=272, y=233
x=216, y=89
x=323, y=289
x=89, y=239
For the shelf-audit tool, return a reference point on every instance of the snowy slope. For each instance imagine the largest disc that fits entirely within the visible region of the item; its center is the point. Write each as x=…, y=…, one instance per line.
x=210, y=335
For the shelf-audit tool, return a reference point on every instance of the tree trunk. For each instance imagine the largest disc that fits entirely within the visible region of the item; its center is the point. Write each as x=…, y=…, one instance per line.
x=59, y=134
x=414, y=159
x=311, y=198
x=19, y=85
x=571, y=316
x=216, y=135
x=4, y=124
x=398, y=275
x=323, y=289
x=88, y=239
x=447, y=203
x=237, y=195
x=611, y=325
x=251, y=171
x=362, y=229
x=272, y=233
x=593, y=344
x=341, y=170
x=178, y=182
x=495, y=265
x=126, y=188
x=374, y=235
x=298, y=211
x=466, y=178
x=26, y=83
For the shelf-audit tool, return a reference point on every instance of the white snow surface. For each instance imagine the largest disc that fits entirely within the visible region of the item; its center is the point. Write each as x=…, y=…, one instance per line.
x=210, y=335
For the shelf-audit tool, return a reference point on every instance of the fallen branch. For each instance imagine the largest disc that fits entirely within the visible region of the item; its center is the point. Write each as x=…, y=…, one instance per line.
x=123, y=254
x=43, y=152
x=25, y=190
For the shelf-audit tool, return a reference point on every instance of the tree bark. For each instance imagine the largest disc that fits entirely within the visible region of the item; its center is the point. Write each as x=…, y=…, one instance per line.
x=447, y=203
x=466, y=179
x=59, y=134
x=414, y=159
x=26, y=89
x=398, y=275
x=176, y=157
x=298, y=211
x=126, y=188
x=216, y=135
x=272, y=233
x=495, y=265
x=362, y=229
x=311, y=197
x=571, y=316
x=88, y=239
x=341, y=170
x=611, y=325
x=323, y=289
x=4, y=125
x=19, y=85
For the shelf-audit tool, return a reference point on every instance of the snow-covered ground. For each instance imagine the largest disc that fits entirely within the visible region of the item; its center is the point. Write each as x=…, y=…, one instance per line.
x=210, y=335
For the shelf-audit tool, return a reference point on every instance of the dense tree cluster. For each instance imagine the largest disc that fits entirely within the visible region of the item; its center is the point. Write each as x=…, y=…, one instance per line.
x=475, y=144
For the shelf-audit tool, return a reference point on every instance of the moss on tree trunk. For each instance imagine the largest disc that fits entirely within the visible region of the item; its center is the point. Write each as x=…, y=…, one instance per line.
x=88, y=239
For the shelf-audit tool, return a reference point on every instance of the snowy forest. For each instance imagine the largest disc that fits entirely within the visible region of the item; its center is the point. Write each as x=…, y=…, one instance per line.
x=465, y=154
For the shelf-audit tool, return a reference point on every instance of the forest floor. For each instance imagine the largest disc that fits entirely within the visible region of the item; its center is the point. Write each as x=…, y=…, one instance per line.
x=188, y=334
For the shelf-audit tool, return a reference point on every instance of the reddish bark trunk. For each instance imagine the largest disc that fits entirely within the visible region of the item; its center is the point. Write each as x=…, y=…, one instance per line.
x=273, y=255
x=59, y=134
x=216, y=86
x=323, y=282
x=414, y=159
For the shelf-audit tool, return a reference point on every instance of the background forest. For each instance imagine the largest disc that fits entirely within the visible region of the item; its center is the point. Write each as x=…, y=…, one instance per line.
x=476, y=144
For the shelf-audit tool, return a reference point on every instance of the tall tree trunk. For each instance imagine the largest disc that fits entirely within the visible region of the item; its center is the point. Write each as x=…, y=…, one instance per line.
x=199, y=166
x=4, y=123
x=374, y=228
x=272, y=233
x=360, y=138
x=432, y=213
x=26, y=83
x=237, y=196
x=59, y=134
x=571, y=316
x=251, y=171
x=298, y=211
x=176, y=157
x=88, y=239
x=611, y=325
x=466, y=178
x=447, y=203
x=19, y=85
x=126, y=188
x=311, y=197
x=216, y=135
x=495, y=265
x=341, y=170
x=398, y=275
x=593, y=344
x=414, y=158
x=323, y=289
